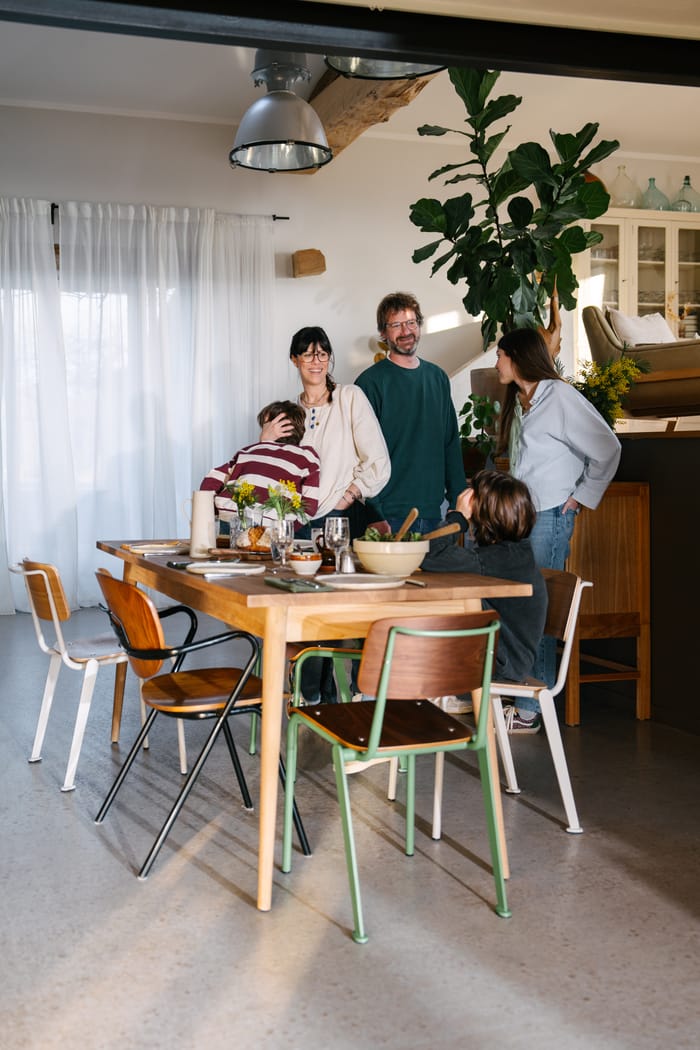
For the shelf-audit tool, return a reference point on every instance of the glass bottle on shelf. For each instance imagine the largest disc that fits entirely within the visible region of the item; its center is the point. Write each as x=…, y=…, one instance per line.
x=654, y=199
x=687, y=199
x=624, y=193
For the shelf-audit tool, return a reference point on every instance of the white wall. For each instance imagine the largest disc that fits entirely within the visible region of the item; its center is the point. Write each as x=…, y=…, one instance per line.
x=355, y=211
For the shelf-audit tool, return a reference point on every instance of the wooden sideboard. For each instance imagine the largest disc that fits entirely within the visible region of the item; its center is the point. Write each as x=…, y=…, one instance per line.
x=611, y=547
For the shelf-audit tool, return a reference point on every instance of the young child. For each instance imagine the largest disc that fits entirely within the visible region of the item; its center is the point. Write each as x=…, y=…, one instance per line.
x=498, y=513
x=269, y=462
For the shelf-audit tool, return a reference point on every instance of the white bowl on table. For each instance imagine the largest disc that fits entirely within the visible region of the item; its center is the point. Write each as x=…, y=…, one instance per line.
x=389, y=558
x=305, y=563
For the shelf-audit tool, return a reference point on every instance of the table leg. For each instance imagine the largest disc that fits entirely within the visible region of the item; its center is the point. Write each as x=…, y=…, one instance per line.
x=491, y=744
x=274, y=661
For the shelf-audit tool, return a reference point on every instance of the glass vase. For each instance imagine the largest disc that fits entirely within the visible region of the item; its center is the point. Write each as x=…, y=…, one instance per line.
x=624, y=193
x=687, y=199
x=654, y=199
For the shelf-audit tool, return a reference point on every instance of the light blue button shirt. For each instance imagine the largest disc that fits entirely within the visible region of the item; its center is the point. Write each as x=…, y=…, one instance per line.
x=565, y=449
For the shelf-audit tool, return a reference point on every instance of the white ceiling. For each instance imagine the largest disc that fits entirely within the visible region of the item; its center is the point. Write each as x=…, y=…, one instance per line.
x=44, y=66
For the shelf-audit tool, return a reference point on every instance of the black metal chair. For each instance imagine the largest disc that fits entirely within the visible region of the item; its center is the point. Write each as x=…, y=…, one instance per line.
x=216, y=693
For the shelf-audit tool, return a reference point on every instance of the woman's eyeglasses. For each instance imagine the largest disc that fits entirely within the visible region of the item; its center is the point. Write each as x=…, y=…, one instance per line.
x=395, y=325
x=321, y=356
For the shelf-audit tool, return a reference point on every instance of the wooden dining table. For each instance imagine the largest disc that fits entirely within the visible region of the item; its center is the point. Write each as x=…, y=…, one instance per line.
x=278, y=617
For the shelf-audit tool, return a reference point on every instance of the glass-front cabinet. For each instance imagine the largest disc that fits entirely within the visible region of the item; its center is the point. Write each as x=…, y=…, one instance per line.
x=647, y=262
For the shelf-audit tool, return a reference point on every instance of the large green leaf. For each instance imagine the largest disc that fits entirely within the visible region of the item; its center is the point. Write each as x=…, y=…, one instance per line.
x=532, y=162
x=521, y=211
x=473, y=86
x=570, y=147
x=491, y=145
x=436, y=130
x=573, y=238
x=421, y=254
x=599, y=152
x=505, y=183
x=428, y=215
x=593, y=199
x=449, y=167
x=458, y=214
x=495, y=110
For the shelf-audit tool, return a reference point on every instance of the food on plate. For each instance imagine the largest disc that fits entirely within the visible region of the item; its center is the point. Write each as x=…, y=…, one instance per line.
x=256, y=538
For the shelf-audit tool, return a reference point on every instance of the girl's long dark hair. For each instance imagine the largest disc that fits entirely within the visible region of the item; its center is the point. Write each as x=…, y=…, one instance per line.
x=316, y=337
x=529, y=354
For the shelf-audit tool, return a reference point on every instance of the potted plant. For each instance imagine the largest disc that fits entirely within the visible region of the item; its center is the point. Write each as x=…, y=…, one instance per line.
x=514, y=245
x=477, y=431
x=606, y=385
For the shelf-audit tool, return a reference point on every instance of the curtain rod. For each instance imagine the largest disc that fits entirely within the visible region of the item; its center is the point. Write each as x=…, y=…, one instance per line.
x=275, y=218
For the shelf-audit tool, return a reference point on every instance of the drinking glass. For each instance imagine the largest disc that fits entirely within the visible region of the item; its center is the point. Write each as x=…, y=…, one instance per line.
x=337, y=536
x=282, y=540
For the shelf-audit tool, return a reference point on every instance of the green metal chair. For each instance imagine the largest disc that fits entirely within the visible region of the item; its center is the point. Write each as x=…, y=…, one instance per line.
x=404, y=658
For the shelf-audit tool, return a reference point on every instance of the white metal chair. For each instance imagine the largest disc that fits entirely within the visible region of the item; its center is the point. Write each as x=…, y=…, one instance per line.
x=564, y=591
x=48, y=604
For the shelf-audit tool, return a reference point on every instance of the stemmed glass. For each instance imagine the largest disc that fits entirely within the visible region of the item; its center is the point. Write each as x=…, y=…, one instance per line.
x=336, y=535
x=282, y=539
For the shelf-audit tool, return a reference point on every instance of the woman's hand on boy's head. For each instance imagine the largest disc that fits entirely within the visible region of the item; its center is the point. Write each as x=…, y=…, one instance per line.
x=464, y=503
x=279, y=427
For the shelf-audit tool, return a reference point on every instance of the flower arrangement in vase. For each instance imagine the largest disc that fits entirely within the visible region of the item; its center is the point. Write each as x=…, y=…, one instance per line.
x=284, y=500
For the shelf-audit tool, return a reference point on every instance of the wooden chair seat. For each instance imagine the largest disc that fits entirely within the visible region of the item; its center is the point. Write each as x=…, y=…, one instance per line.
x=192, y=694
x=407, y=725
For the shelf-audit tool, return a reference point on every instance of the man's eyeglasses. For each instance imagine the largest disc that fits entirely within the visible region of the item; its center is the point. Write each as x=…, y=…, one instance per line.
x=321, y=356
x=395, y=325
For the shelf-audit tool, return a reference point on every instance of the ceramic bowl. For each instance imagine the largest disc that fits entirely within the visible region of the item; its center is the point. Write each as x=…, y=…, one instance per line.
x=391, y=559
x=305, y=564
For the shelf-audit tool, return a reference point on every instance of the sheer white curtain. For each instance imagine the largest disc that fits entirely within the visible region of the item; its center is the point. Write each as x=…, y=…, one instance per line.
x=39, y=513
x=165, y=360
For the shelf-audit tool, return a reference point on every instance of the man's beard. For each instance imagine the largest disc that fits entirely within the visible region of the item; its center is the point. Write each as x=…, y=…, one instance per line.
x=394, y=348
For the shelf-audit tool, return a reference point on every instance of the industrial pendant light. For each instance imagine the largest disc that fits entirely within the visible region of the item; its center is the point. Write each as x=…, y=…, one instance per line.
x=378, y=68
x=280, y=132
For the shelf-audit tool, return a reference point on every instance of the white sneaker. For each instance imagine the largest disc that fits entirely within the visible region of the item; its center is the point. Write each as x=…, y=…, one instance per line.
x=452, y=705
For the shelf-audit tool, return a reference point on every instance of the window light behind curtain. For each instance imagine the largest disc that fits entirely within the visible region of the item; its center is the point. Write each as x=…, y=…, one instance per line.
x=163, y=313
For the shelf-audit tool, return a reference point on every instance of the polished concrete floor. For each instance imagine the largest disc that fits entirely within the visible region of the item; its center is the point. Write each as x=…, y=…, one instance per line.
x=602, y=950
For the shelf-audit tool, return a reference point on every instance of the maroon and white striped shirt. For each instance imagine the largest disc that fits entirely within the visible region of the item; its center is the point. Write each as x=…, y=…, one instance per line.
x=267, y=463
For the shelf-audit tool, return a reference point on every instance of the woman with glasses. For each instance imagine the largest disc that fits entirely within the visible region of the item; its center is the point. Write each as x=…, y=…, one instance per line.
x=343, y=429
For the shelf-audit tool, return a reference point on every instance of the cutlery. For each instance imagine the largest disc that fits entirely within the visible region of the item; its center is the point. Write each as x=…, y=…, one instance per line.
x=444, y=530
x=410, y=518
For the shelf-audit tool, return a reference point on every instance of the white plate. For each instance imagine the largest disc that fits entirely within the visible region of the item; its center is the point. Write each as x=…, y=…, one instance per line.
x=361, y=581
x=157, y=548
x=218, y=568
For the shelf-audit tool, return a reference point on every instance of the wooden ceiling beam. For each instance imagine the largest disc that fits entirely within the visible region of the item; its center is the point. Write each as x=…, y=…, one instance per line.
x=348, y=106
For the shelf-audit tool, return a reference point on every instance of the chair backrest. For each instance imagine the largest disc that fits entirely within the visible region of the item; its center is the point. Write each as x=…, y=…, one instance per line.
x=413, y=657
x=47, y=601
x=45, y=590
x=564, y=591
x=136, y=621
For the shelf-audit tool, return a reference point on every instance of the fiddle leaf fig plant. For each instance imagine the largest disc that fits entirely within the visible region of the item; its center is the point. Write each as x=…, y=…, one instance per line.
x=513, y=246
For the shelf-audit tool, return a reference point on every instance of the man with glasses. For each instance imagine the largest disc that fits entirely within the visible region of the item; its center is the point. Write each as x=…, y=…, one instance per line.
x=412, y=400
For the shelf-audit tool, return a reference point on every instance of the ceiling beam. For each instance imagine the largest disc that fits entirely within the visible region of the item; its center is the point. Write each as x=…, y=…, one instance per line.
x=348, y=106
x=433, y=39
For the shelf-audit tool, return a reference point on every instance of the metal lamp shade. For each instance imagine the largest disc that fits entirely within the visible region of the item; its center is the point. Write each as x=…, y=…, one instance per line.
x=378, y=69
x=280, y=132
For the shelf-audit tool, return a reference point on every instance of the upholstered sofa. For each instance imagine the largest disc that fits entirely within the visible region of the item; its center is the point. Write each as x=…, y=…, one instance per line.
x=672, y=385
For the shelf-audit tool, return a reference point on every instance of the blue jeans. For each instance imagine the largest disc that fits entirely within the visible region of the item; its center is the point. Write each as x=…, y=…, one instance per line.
x=550, y=540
